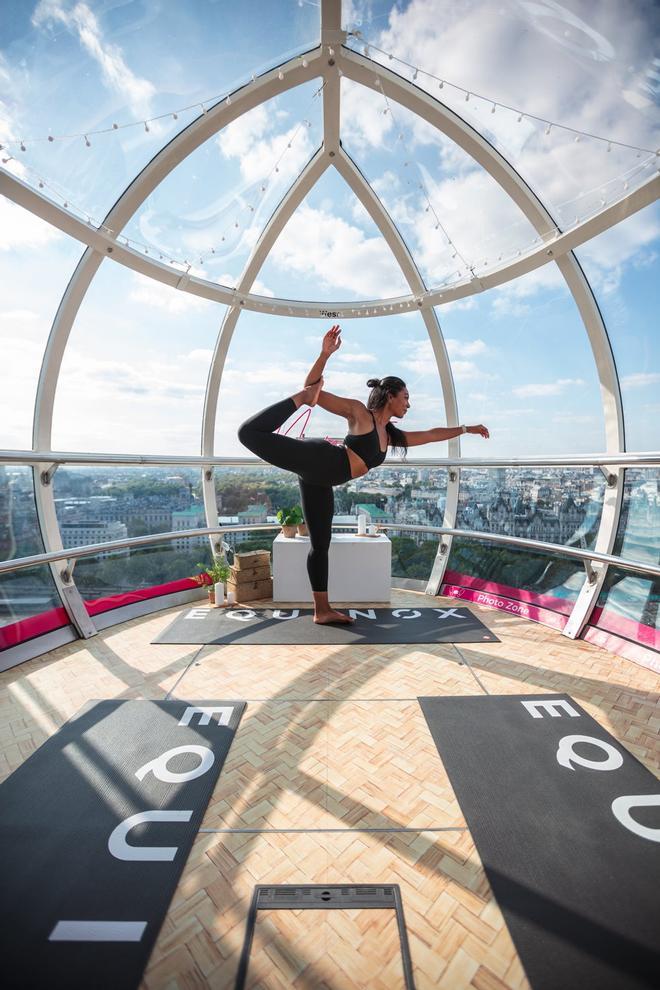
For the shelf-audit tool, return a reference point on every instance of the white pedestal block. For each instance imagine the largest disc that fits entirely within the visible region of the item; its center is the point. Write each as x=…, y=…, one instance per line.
x=360, y=569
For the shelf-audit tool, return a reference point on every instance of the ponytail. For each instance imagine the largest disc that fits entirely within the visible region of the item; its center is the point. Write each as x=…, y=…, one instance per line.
x=381, y=389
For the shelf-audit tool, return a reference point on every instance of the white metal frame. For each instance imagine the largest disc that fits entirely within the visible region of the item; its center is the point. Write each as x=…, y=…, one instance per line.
x=551, y=249
x=329, y=60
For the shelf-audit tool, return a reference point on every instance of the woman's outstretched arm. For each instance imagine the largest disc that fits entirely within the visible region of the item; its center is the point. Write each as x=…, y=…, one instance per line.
x=417, y=438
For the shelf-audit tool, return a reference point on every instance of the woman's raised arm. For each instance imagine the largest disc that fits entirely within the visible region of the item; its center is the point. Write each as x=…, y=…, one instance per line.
x=331, y=343
x=333, y=403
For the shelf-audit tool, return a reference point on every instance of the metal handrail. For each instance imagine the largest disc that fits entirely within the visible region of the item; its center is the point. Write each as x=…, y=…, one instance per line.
x=637, y=459
x=73, y=553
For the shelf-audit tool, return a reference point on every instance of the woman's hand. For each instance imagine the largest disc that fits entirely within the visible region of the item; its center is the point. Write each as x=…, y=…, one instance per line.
x=479, y=430
x=331, y=341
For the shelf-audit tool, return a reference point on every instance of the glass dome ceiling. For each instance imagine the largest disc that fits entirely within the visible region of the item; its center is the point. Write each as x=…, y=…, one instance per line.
x=192, y=192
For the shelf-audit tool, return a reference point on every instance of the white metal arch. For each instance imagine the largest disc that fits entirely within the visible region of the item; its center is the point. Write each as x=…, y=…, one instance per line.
x=293, y=73
x=288, y=205
x=371, y=202
x=333, y=154
x=377, y=77
x=551, y=249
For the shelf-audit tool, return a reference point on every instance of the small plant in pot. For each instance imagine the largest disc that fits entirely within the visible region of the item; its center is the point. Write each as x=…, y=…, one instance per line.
x=217, y=573
x=289, y=518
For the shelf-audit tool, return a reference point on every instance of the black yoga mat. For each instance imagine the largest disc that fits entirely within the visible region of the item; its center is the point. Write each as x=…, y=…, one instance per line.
x=578, y=886
x=76, y=909
x=260, y=626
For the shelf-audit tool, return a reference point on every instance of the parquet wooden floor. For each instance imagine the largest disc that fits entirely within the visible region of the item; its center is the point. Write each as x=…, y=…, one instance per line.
x=332, y=742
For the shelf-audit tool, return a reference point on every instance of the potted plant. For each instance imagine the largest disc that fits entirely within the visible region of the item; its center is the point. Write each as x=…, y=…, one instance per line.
x=217, y=573
x=289, y=518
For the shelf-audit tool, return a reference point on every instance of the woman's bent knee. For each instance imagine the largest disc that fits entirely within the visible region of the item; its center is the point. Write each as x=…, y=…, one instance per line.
x=246, y=434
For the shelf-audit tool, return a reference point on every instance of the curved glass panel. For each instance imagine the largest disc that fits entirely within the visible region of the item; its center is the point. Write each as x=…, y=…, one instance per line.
x=629, y=604
x=138, y=569
x=604, y=87
x=553, y=505
x=134, y=371
x=331, y=249
x=523, y=366
x=454, y=217
x=210, y=211
x=622, y=266
x=128, y=64
x=261, y=370
x=28, y=592
x=101, y=504
x=37, y=264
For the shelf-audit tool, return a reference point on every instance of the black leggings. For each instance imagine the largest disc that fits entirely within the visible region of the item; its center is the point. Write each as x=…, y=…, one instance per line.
x=318, y=464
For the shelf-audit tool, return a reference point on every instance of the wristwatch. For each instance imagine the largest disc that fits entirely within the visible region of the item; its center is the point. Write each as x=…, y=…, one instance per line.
x=463, y=429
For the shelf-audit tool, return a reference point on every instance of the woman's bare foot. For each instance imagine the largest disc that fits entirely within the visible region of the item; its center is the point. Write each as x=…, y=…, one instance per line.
x=309, y=396
x=323, y=618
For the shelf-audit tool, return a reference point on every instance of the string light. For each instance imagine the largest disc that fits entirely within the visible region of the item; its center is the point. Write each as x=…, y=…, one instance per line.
x=520, y=113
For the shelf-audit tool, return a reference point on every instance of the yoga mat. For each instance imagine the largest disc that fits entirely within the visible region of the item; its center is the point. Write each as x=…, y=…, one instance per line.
x=578, y=886
x=83, y=896
x=260, y=626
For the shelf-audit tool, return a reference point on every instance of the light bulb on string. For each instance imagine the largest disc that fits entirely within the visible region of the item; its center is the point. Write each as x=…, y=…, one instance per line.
x=577, y=139
x=115, y=127
x=305, y=63
x=609, y=145
x=415, y=74
x=175, y=116
x=50, y=137
x=492, y=109
x=146, y=126
x=22, y=146
x=520, y=117
x=441, y=84
x=87, y=142
x=467, y=97
x=280, y=76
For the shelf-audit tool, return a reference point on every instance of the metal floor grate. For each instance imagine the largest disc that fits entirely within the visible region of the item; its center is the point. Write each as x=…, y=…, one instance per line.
x=335, y=896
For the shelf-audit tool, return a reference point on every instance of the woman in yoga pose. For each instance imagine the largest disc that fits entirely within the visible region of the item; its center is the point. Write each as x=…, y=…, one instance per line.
x=320, y=465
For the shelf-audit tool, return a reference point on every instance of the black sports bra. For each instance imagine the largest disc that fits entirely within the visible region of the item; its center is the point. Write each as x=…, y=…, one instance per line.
x=367, y=446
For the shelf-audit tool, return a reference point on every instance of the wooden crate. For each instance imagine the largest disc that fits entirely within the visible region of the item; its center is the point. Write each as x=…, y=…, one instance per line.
x=247, y=575
x=247, y=591
x=256, y=558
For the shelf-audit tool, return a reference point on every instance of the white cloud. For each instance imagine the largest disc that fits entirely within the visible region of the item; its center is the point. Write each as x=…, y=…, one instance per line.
x=260, y=149
x=80, y=19
x=156, y=295
x=364, y=123
x=19, y=315
x=544, y=389
x=421, y=360
x=21, y=229
x=319, y=244
x=641, y=379
x=355, y=358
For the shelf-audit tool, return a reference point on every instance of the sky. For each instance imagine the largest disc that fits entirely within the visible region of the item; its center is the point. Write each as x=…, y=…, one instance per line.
x=135, y=367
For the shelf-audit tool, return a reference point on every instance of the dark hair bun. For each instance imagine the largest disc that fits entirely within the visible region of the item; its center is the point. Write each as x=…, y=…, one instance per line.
x=373, y=383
